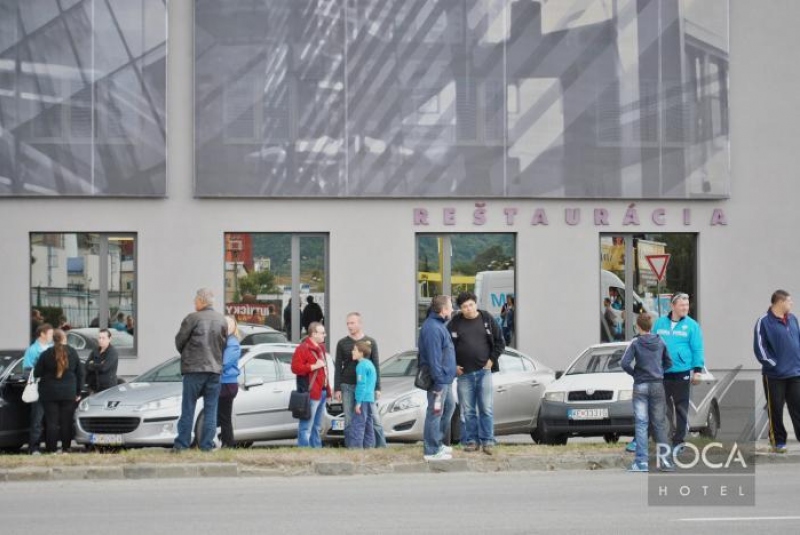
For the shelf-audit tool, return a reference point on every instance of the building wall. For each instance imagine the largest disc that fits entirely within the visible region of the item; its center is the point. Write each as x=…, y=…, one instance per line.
x=181, y=246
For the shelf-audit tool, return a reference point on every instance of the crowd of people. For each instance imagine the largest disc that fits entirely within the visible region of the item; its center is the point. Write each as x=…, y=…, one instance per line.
x=665, y=359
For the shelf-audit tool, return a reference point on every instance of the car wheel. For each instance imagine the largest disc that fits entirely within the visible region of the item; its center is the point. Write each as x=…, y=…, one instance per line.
x=712, y=423
x=455, y=428
x=536, y=435
x=245, y=444
x=547, y=438
x=611, y=438
x=198, y=429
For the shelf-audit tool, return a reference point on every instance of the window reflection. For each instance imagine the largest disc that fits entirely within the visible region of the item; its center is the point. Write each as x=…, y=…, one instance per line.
x=82, y=92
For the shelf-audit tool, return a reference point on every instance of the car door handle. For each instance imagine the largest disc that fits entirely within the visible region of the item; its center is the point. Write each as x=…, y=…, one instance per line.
x=501, y=389
x=277, y=391
x=534, y=383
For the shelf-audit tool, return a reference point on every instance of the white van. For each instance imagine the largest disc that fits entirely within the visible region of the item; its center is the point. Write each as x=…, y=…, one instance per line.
x=491, y=289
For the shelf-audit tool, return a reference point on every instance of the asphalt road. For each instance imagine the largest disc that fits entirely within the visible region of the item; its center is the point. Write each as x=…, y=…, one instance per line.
x=516, y=502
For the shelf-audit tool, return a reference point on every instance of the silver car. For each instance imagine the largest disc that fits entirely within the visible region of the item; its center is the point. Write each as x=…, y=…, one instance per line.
x=145, y=411
x=518, y=389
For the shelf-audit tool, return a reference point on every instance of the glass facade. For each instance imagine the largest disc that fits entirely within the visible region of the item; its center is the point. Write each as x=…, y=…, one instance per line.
x=462, y=98
x=82, y=97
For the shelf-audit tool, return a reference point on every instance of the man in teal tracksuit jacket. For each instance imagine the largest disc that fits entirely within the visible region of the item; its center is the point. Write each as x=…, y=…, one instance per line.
x=684, y=340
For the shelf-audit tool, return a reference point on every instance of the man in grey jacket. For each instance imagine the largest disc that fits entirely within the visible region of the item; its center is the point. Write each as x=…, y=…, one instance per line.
x=200, y=341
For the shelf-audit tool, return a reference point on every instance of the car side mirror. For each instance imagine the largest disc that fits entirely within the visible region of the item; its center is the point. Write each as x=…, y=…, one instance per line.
x=559, y=374
x=253, y=383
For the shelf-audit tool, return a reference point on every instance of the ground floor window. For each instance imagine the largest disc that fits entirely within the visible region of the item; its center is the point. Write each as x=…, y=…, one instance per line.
x=482, y=263
x=277, y=280
x=82, y=282
x=629, y=269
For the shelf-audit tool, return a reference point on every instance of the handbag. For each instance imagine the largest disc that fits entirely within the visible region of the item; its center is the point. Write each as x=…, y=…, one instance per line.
x=423, y=378
x=31, y=392
x=300, y=401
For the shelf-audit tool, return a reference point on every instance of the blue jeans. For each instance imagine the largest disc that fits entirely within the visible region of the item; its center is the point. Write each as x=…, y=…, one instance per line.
x=309, y=432
x=475, y=396
x=349, y=405
x=649, y=406
x=360, y=433
x=195, y=386
x=437, y=424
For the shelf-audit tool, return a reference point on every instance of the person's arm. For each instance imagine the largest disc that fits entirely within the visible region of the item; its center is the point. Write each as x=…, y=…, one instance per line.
x=109, y=361
x=761, y=345
x=78, y=370
x=498, y=343
x=627, y=359
x=698, y=349
x=436, y=362
x=376, y=361
x=90, y=362
x=338, y=370
x=666, y=360
x=231, y=354
x=184, y=333
x=38, y=370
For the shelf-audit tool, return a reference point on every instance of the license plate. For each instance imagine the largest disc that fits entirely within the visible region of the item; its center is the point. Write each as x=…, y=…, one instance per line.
x=587, y=414
x=337, y=425
x=105, y=440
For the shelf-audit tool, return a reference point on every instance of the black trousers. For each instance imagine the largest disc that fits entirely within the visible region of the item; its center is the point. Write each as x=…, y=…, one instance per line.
x=780, y=392
x=678, y=391
x=58, y=419
x=227, y=394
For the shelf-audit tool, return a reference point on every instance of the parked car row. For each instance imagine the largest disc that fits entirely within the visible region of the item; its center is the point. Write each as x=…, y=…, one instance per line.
x=592, y=398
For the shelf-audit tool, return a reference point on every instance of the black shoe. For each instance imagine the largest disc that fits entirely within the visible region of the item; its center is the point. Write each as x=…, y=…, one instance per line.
x=176, y=450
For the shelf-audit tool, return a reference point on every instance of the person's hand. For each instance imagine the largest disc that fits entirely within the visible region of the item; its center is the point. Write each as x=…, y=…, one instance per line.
x=489, y=364
x=696, y=378
x=358, y=408
x=459, y=370
x=337, y=395
x=377, y=395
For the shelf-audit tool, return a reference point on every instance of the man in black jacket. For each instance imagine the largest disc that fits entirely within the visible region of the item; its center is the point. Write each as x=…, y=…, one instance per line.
x=200, y=341
x=479, y=344
x=101, y=366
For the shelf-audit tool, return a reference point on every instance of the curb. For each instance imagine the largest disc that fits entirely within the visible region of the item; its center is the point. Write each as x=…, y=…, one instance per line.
x=551, y=463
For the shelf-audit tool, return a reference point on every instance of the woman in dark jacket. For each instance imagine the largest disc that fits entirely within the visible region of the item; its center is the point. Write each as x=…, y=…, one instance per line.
x=60, y=375
x=101, y=366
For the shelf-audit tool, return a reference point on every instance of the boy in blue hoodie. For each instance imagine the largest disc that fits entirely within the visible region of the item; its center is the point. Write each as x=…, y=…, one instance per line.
x=360, y=433
x=646, y=359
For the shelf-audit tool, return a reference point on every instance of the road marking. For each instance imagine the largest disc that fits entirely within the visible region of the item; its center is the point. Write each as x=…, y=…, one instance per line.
x=739, y=519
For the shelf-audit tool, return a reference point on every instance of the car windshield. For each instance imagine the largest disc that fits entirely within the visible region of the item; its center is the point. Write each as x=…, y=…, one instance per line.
x=168, y=372
x=598, y=361
x=403, y=365
x=274, y=337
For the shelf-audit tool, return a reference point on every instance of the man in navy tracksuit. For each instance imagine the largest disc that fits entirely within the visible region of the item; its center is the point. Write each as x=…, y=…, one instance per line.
x=776, y=343
x=436, y=351
x=684, y=341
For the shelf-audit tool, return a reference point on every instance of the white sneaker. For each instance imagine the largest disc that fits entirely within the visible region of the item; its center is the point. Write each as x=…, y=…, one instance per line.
x=440, y=455
x=447, y=449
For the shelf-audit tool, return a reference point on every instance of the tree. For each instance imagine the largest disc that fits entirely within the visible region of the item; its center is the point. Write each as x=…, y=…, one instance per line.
x=257, y=282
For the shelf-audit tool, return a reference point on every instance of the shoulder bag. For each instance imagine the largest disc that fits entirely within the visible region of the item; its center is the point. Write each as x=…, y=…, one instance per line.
x=31, y=392
x=423, y=378
x=300, y=401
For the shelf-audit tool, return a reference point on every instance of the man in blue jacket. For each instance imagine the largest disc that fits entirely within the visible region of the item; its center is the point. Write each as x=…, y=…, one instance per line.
x=684, y=341
x=776, y=343
x=436, y=351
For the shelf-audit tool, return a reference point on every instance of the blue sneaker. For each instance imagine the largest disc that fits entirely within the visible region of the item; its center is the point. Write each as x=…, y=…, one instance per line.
x=779, y=448
x=631, y=447
x=638, y=467
x=678, y=450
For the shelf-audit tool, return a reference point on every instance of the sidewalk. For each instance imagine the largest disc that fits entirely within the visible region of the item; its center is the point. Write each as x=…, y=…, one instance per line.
x=264, y=463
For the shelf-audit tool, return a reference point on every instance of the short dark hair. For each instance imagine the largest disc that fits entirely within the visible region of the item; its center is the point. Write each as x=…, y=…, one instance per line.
x=463, y=297
x=107, y=331
x=778, y=296
x=43, y=328
x=644, y=321
x=439, y=302
x=310, y=299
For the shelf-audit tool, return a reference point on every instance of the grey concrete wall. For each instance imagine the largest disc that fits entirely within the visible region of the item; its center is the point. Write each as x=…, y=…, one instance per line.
x=180, y=238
